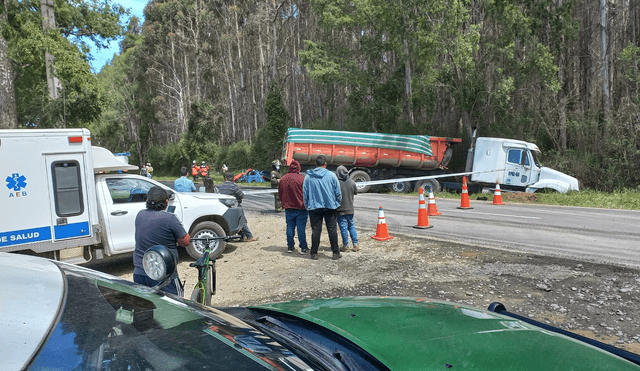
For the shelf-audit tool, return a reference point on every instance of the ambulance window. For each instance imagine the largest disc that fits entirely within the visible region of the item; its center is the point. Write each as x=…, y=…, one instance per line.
x=67, y=188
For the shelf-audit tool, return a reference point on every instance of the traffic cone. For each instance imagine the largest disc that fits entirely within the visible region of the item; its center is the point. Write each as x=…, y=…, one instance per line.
x=382, y=233
x=464, y=200
x=497, y=196
x=423, y=218
x=432, y=209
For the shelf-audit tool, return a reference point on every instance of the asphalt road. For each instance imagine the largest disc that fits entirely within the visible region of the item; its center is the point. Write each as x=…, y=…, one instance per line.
x=586, y=234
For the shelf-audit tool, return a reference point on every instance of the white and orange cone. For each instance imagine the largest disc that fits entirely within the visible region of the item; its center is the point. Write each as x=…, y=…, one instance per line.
x=432, y=209
x=382, y=233
x=497, y=196
x=423, y=218
x=464, y=199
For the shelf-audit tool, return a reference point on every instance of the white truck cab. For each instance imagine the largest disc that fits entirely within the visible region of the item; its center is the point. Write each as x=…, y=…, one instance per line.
x=522, y=170
x=63, y=198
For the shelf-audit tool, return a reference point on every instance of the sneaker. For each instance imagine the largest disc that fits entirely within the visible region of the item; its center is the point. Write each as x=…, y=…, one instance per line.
x=251, y=239
x=344, y=248
x=303, y=251
x=355, y=247
x=337, y=256
x=314, y=256
x=289, y=251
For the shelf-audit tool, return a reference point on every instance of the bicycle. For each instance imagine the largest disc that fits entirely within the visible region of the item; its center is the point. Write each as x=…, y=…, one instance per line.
x=205, y=288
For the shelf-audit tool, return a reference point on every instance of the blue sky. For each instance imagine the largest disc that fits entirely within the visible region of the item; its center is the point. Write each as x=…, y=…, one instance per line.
x=101, y=57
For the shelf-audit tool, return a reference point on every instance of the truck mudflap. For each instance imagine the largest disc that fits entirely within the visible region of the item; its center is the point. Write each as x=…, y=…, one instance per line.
x=235, y=219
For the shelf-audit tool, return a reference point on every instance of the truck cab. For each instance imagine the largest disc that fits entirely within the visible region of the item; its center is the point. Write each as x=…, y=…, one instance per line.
x=521, y=168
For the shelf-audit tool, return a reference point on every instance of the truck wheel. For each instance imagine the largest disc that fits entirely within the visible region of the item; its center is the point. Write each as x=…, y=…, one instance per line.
x=361, y=176
x=401, y=187
x=202, y=230
x=425, y=184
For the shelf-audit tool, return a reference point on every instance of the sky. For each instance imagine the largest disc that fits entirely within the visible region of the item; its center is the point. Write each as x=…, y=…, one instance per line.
x=102, y=57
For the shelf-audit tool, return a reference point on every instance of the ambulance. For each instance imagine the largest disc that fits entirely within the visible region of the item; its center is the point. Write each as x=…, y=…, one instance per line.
x=63, y=198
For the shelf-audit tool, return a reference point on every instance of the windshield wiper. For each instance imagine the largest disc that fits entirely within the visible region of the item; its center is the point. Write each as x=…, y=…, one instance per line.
x=335, y=360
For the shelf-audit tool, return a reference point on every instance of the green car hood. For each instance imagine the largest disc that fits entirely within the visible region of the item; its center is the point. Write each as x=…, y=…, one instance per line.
x=419, y=334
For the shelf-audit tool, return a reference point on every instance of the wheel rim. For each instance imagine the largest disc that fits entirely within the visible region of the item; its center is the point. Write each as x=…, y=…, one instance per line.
x=199, y=246
x=398, y=187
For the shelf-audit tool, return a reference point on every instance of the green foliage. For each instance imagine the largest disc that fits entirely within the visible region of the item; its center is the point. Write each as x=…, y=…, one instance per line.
x=238, y=156
x=200, y=141
x=81, y=98
x=276, y=126
x=167, y=159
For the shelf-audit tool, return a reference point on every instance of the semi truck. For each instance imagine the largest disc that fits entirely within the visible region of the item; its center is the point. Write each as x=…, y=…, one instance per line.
x=65, y=199
x=399, y=158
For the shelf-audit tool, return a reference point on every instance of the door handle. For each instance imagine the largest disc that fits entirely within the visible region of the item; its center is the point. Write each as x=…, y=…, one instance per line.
x=119, y=213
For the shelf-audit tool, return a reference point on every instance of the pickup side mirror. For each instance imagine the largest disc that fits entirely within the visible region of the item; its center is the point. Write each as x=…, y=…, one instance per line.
x=172, y=195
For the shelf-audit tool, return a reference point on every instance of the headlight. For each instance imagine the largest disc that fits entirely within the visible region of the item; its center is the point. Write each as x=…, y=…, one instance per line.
x=159, y=263
x=229, y=202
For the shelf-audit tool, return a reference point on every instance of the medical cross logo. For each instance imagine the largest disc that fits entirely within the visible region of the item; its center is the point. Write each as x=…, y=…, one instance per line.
x=16, y=183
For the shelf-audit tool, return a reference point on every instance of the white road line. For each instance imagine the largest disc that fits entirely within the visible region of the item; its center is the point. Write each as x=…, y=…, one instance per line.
x=507, y=215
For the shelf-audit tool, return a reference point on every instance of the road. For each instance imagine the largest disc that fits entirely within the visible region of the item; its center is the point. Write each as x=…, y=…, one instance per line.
x=587, y=234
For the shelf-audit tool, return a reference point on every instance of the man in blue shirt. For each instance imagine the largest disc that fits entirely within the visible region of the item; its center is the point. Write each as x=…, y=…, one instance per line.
x=155, y=226
x=184, y=184
x=322, y=196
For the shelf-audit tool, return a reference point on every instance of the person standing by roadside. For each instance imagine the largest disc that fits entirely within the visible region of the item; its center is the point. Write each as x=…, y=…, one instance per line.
x=183, y=184
x=345, y=211
x=154, y=226
x=322, y=196
x=232, y=189
x=195, y=170
x=204, y=170
x=296, y=215
x=275, y=179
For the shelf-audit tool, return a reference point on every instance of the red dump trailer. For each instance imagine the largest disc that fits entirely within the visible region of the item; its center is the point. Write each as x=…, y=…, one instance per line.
x=372, y=156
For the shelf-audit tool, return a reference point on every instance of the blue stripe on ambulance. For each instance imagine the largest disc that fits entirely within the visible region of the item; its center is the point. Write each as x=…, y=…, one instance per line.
x=25, y=236
x=71, y=230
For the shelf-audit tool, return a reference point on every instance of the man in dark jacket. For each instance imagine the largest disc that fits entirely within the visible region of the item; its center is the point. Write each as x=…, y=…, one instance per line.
x=232, y=189
x=290, y=193
x=275, y=179
x=345, y=211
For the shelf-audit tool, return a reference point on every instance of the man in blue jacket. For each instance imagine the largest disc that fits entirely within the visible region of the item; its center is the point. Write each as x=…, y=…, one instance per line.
x=322, y=196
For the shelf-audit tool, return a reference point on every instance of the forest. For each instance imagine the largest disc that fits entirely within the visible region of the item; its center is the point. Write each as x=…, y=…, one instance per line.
x=221, y=81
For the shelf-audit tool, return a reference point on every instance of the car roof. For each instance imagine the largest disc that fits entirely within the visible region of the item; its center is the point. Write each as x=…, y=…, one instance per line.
x=28, y=307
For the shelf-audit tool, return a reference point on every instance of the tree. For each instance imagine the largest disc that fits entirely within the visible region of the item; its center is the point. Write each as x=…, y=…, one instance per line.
x=81, y=99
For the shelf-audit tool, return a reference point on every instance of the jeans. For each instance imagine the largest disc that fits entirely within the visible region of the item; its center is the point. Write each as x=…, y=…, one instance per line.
x=245, y=232
x=347, y=226
x=296, y=219
x=330, y=219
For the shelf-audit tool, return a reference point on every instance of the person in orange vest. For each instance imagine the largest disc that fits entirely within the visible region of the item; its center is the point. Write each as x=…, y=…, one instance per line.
x=195, y=170
x=204, y=170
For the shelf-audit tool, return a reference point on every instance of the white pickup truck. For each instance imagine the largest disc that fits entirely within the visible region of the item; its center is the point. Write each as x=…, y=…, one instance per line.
x=65, y=199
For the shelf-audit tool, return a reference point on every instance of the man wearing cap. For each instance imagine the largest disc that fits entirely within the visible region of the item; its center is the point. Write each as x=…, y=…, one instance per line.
x=229, y=187
x=155, y=226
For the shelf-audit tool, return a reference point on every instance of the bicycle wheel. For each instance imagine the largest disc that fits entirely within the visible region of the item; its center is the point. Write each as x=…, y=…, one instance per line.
x=210, y=288
x=196, y=295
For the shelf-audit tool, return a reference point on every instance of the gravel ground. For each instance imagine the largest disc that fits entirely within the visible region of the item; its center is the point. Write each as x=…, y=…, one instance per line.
x=594, y=300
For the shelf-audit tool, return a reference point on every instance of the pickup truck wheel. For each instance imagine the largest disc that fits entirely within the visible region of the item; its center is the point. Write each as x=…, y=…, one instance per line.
x=361, y=176
x=425, y=184
x=401, y=187
x=202, y=230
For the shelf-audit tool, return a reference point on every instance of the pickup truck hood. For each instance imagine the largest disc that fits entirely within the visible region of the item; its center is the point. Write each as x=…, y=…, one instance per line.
x=206, y=196
x=419, y=334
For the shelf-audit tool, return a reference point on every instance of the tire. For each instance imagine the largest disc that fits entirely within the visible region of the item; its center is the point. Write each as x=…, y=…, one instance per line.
x=400, y=187
x=196, y=295
x=361, y=176
x=425, y=184
x=206, y=229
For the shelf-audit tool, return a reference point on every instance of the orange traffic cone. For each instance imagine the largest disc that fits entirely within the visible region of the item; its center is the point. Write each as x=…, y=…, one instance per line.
x=497, y=196
x=464, y=200
x=423, y=218
x=382, y=233
x=432, y=209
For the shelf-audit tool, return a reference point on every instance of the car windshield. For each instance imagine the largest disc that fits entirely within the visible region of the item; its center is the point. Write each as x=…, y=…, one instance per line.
x=108, y=324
